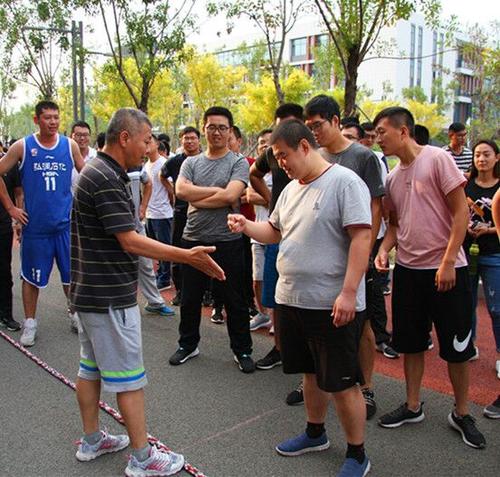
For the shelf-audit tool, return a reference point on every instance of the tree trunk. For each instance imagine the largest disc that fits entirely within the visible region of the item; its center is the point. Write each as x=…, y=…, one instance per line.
x=277, y=85
x=351, y=84
x=145, y=91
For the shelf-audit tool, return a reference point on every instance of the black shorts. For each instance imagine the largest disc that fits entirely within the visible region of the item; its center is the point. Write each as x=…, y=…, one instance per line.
x=311, y=344
x=416, y=302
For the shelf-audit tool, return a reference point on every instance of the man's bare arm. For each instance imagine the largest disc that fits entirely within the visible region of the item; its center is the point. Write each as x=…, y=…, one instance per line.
x=228, y=196
x=12, y=157
x=17, y=213
x=147, y=189
x=259, y=184
x=77, y=157
x=263, y=232
x=254, y=198
x=376, y=210
x=186, y=190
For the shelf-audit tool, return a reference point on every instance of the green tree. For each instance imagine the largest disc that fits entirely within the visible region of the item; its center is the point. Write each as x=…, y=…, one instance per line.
x=354, y=28
x=150, y=32
x=39, y=51
x=416, y=92
x=275, y=19
x=20, y=123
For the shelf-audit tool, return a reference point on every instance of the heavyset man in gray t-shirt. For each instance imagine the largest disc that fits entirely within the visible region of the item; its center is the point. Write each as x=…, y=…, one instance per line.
x=322, y=221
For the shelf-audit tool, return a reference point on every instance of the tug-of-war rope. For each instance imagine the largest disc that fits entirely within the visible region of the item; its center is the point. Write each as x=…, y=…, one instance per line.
x=103, y=405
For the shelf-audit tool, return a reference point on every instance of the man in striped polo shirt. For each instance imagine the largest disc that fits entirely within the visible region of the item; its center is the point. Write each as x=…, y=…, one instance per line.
x=104, y=273
x=457, y=133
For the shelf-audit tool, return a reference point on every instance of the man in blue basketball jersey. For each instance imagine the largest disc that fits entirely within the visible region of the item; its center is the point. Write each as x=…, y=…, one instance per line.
x=46, y=161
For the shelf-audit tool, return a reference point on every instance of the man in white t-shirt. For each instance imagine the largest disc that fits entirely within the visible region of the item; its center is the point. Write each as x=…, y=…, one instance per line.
x=159, y=212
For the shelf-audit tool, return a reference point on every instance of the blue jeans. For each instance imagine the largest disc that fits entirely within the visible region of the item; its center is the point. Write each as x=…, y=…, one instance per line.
x=488, y=268
x=161, y=230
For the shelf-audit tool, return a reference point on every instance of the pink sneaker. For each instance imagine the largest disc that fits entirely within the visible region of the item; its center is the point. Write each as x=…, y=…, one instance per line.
x=107, y=444
x=160, y=463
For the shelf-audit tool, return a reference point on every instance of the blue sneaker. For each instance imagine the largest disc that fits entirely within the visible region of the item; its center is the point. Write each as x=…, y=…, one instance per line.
x=163, y=310
x=352, y=468
x=302, y=444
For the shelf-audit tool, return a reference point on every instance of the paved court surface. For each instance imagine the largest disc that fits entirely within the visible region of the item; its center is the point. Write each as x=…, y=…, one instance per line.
x=226, y=423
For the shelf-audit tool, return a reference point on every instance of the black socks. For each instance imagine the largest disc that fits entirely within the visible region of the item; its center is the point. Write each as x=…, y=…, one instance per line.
x=356, y=452
x=315, y=430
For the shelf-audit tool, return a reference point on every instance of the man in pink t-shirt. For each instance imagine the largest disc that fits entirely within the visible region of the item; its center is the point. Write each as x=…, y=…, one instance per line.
x=427, y=221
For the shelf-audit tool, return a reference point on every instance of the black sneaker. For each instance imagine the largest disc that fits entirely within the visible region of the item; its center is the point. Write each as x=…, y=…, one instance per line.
x=217, y=316
x=176, y=300
x=245, y=363
x=10, y=324
x=466, y=425
x=401, y=415
x=182, y=355
x=270, y=360
x=296, y=396
x=371, y=405
x=207, y=299
x=387, y=351
x=493, y=410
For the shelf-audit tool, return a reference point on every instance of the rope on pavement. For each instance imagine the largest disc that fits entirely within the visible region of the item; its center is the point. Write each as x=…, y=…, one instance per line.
x=102, y=404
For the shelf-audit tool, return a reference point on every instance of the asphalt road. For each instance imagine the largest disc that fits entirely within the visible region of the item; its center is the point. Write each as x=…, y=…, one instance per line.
x=224, y=422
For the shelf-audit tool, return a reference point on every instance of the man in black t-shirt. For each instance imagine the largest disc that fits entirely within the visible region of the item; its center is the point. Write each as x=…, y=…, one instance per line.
x=265, y=163
x=190, y=141
x=9, y=215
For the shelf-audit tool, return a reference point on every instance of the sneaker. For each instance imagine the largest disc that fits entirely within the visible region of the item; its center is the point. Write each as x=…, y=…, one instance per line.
x=302, y=444
x=475, y=356
x=162, y=310
x=217, y=316
x=296, y=396
x=207, y=299
x=176, y=300
x=245, y=363
x=271, y=330
x=466, y=425
x=10, y=324
x=401, y=415
x=430, y=344
x=159, y=463
x=497, y=368
x=260, y=320
x=387, y=351
x=270, y=360
x=29, y=332
x=386, y=290
x=75, y=323
x=493, y=410
x=108, y=443
x=182, y=355
x=252, y=311
x=371, y=405
x=352, y=468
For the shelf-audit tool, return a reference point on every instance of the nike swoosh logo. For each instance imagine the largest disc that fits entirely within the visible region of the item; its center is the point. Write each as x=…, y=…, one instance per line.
x=461, y=345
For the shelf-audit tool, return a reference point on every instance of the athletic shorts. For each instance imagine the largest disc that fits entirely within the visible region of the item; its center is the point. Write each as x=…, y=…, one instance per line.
x=111, y=349
x=311, y=344
x=38, y=255
x=270, y=275
x=416, y=303
x=258, y=261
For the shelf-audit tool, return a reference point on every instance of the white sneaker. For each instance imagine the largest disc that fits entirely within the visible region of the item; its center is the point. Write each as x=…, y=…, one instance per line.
x=260, y=320
x=75, y=322
x=29, y=332
x=159, y=463
x=497, y=368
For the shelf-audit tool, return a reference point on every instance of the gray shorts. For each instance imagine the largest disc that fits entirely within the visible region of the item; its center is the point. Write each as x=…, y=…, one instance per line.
x=258, y=261
x=111, y=349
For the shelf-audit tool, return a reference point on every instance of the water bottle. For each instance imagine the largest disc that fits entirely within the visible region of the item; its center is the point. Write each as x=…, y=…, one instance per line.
x=473, y=258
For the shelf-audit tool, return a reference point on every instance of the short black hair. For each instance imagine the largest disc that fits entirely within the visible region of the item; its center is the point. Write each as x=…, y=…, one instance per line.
x=324, y=106
x=218, y=111
x=39, y=108
x=101, y=140
x=162, y=146
x=361, y=131
x=367, y=126
x=190, y=129
x=398, y=117
x=422, y=135
x=292, y=131
x=289, y=109
x=237, y=132
x=349, y=120
x=496, y=171
x=80, y=124
x=264, y=132
x=456, y=127
x=164, y=137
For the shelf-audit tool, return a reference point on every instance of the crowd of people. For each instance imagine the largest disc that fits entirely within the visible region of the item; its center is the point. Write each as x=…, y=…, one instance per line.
x=296, y=241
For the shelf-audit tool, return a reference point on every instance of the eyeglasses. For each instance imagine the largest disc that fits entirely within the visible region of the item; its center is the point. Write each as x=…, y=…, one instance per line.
x=222, y=128
x=82, y=134
x=315, y=126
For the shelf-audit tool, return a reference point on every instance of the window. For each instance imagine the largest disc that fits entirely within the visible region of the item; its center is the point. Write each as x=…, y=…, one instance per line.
x=322, y=40
x=419, y=59
x=299, y=49
x=412, y=56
